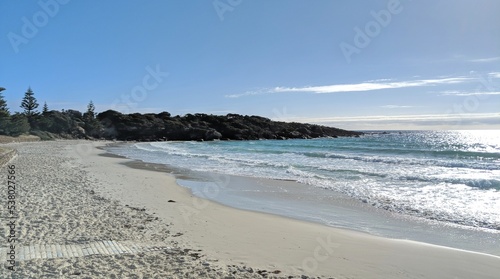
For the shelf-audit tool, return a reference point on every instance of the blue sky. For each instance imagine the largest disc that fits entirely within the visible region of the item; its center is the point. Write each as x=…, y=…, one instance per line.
x=385, y=64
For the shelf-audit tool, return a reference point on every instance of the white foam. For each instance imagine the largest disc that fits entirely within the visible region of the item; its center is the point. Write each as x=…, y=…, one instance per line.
x=462, y=191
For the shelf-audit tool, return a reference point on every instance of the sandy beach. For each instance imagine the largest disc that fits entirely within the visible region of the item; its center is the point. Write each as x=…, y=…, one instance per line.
x=72, y=194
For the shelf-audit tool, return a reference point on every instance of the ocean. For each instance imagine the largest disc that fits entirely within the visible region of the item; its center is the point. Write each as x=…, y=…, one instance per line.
x=450, y=178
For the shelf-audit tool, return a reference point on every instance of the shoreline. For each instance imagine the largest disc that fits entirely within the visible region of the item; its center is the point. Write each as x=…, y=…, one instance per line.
x=418, y=184
x=297, y=201
x=313, y=232
x=229, y=240
x=342, y=212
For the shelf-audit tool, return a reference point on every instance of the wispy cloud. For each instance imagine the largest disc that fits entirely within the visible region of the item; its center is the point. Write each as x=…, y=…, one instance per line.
x=356, y=87
x=419, y=117
x=379, y=80
x=421, y=121
x=459, y=93
x=494, y=74
x=411, y=117
x=396, y=106
x=485, y=60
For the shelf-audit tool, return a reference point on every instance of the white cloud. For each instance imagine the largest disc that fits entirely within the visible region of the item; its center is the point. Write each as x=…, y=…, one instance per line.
x=249, y=93
x=448, y=92
x=379, y=80
x=412, y=122
x=458, y=93
x=494, y=74
x=395, y=106
x=485, y=60
x=355, y=87
x=420, y=117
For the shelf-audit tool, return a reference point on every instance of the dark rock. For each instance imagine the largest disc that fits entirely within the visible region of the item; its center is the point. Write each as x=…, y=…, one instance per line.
x=212, y=134
x=113, y=125
x=156, y=127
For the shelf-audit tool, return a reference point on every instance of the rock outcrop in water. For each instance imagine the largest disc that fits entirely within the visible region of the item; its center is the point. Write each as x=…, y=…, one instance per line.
x=162, y=126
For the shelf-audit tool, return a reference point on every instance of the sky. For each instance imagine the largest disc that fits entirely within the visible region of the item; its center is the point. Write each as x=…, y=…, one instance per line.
x=359, y=65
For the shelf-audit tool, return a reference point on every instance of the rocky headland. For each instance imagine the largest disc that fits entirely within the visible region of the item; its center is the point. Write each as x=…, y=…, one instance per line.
x=162, y=126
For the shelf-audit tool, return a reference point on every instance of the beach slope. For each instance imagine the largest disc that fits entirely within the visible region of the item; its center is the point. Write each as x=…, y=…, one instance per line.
x=73, y=194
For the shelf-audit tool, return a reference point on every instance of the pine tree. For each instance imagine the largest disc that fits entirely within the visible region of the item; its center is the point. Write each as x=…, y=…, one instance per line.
x=90, y=111
x=4, y=111
x=4, y=115
x=92, y=125
x=45, y=108
x=29, y=103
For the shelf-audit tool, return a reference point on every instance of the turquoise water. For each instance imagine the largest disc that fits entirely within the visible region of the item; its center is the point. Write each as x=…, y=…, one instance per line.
x=448, y=176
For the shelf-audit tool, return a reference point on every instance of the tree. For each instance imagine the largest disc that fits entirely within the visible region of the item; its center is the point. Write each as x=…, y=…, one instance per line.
x=91, y=110
x=92, y=125
x=18, y=125
x=29, y=103
x=4, y=114
x=45, y=108
x=4, y=111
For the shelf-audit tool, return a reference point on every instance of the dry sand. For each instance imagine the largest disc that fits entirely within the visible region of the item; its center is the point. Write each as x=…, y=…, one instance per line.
x=69, y=194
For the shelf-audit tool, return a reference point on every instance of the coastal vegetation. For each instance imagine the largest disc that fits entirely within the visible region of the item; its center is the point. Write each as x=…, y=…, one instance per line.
x=110, y=124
